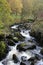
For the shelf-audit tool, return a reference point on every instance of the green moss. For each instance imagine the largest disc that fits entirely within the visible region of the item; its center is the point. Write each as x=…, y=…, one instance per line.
x=23, y=44
x=2, y=47
x=16, y=39
x=3, y=50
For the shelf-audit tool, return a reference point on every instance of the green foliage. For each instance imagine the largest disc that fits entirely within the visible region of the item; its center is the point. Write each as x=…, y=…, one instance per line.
x=16, y=6
x=2, y=47
x=38, y=9
x=23, y=44
x=12, y=11
x=37, y=26
x=1, y=25
x=3, y=50
x=4, y=10
x=5, y=16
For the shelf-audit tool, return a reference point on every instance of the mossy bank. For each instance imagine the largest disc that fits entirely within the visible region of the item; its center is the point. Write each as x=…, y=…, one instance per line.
x=37, y=31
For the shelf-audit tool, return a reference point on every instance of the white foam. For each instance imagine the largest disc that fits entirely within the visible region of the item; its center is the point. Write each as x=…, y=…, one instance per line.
x=39, y=62
x=18, y=54
x=25, y=33
x=12, y=63
x=1, y=63
x=14, y=27
x=27, y=54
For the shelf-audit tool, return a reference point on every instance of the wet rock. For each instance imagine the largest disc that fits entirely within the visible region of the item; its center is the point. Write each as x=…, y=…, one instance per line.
x=20, y=27
x=37, y=57
x=34, y=59
x=20, y=47
x=24, y=26
x=41, y=51
x=23, y=58
x=31, y=47
x=31, y=59
x=15, y=39
x=10, y=42
x=16, y=60
x=9, y=36
x=22, y=63
x=31, y=40
x=19, y=36
x=3, y=50
x=9, y=39
x=24, y=47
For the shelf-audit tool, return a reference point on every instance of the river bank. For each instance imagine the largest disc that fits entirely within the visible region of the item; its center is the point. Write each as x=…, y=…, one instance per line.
x=37, y=31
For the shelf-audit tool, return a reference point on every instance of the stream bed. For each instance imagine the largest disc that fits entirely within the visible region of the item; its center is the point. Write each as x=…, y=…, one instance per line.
x=26, y=57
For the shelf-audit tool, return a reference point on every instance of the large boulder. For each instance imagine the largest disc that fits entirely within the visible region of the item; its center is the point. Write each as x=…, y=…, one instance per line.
x=3, y=50
x=24, y=47
x=31, y=47
x=20, y=47
x=16, y=60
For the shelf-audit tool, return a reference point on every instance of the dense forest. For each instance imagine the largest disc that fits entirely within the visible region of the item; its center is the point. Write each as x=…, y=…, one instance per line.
x=12, y=11
x=27, y=8
x=27, y=15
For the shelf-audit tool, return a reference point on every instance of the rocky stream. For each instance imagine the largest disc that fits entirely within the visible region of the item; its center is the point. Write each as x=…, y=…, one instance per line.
x=24, y=50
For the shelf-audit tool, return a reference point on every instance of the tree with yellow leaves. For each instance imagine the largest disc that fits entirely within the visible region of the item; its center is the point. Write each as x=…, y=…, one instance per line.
x=16, y=6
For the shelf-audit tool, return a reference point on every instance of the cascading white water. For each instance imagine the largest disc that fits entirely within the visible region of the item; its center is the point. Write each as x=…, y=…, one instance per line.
x=39, y=62
x=1, y=63
x=18, y=54
x=12, y=63
x=14, y=27
x=25, y=33
x=8, y=60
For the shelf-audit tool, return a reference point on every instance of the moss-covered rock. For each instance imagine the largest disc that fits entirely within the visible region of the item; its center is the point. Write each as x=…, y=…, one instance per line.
x=24, y=47
x=37, y=31
x=19, y=36
x=15, y=39
x=3, y=50
x=20, y=47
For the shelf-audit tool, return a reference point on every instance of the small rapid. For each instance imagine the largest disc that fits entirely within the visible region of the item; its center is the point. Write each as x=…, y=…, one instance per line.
x=28, y=54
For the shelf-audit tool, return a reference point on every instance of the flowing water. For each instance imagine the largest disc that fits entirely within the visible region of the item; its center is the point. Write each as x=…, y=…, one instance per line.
x=28, y=54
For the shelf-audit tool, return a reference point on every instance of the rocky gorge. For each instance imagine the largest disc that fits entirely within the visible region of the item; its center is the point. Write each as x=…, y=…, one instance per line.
x=20, y=48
